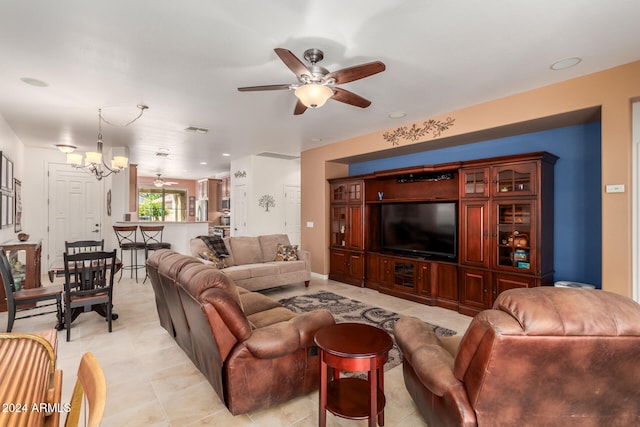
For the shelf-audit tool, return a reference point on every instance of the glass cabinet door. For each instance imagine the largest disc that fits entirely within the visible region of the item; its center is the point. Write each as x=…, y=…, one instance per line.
x=513, y=236
x=339, y=193
x=338, y=225
x=355, y=191
x=475, y=182
x=519, y=179
x=404, y=275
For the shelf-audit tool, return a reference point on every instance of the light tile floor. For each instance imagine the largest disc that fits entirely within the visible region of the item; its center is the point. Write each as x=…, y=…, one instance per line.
x=151, y=382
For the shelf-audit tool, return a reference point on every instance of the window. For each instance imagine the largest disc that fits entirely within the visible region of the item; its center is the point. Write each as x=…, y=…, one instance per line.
x=162, y=204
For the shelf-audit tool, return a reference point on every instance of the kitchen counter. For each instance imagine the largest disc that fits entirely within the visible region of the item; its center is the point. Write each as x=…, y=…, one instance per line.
x=177, y=233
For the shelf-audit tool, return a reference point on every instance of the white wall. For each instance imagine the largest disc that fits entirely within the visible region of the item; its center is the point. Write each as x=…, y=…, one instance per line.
x=13, y=148
x=265, y=175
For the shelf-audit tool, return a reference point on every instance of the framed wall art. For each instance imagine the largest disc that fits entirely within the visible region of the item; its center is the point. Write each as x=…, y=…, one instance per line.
x=6, y=173
x=18, y=206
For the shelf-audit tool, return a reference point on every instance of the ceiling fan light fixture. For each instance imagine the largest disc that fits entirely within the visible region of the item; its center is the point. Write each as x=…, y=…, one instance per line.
x=313, y=95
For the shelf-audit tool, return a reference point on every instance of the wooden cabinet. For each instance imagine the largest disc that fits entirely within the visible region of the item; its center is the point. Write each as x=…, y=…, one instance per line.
x=347, y=231
x=347, y=267
x=413, y=279
x=476, y=291
x=506, y=234
x=26, y=265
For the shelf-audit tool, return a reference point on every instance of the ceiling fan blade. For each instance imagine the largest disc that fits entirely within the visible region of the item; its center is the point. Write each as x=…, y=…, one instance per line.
x=350, y=98
x=356, y=72
x=267, y=87
x=299, y=109
x=292, y=61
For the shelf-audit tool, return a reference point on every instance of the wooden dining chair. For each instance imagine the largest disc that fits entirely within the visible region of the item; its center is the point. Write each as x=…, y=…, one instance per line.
x=83, y=246
x=88, y=282
x=89, y=394
x=27, y=300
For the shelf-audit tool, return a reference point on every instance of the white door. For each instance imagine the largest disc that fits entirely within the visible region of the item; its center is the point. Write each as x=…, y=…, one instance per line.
x=75, y=206
x=292, y=213
x=240, y=211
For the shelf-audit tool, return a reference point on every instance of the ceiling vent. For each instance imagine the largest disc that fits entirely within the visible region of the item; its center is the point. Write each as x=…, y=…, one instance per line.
x=277, y=156
x=194, y=129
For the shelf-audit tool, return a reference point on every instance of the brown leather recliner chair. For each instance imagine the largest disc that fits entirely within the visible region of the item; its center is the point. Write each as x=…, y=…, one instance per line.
x=545, y=356
x=253, y=351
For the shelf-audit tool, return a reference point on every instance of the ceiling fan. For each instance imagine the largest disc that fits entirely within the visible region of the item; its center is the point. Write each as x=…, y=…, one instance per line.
x=316, y=84
x=159, y=182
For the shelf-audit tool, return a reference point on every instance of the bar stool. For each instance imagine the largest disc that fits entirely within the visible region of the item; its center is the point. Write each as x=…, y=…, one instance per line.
x=128, y=241
x=152, y=236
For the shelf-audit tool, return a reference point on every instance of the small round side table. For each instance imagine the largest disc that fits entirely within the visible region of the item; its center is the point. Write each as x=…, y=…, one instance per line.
x=353, y=347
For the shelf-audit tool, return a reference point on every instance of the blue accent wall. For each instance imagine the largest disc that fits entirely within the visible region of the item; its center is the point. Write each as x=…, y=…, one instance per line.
x=577, y=194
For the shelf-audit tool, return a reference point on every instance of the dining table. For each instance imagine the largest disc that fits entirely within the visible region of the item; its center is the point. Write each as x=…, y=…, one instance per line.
x=30, y=383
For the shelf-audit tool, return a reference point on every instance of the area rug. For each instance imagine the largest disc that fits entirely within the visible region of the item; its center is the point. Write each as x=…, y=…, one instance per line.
x=350, y=310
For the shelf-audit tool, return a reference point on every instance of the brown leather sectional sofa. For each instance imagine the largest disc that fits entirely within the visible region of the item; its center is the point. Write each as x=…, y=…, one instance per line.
x=542, y=356
x=253, y=351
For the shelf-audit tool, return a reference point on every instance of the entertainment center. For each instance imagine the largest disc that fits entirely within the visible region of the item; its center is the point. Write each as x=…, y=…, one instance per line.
x=454, y=235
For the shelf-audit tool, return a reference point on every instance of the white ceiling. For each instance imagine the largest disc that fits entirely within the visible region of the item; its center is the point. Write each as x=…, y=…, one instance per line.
x=185, y=59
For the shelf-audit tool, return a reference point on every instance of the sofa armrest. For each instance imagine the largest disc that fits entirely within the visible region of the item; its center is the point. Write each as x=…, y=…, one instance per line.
x=432, y=362
x=286, y=337
x=306, y=257
x=434, y=367
x=311, y=322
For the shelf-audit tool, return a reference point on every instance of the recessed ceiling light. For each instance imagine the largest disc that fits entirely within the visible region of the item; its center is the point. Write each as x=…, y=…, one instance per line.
x=34, y=82
x=203, y=163
x=563, y=64
x=397, y=115
x=226, y=154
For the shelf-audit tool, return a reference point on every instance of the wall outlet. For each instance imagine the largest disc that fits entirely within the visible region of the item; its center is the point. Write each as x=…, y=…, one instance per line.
x=309, y=224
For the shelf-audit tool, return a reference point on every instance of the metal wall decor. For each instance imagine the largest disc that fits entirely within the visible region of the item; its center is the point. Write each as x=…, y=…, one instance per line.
x=414, y=133
x=267, y=201
x=240, y=174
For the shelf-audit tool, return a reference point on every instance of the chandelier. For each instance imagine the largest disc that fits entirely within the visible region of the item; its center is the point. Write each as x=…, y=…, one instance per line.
x=94, y=162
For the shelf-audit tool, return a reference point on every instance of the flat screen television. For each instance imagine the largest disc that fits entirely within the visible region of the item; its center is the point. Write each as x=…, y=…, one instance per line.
x=425, y=229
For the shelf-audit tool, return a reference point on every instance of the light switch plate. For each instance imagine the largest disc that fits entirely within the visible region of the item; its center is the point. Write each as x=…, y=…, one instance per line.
x=615, y=188
x=309, y=224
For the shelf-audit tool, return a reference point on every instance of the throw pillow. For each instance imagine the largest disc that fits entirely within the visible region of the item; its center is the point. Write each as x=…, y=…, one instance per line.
x=287, y=253
x=216, y=245
x=210, y=256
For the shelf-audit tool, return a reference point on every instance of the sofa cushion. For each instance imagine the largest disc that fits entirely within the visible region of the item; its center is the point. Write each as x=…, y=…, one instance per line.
x=269, y=245
x=286, y=253
x=237, y=272
x=254, y=302
x=290, y=266
x=246, y=250
x=218, y=263
x=271, y=317
x=264, y=269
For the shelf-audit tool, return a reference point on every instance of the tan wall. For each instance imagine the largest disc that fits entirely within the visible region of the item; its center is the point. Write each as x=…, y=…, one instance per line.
x=612, y=90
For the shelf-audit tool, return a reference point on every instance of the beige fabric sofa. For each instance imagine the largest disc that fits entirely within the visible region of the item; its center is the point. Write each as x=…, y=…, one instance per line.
x=251, y=263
